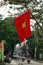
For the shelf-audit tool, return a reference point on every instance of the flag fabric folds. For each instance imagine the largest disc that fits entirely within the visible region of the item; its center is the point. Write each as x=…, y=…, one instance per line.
x=22, y=24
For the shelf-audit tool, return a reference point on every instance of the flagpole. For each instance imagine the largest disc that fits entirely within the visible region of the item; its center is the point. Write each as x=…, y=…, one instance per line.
x=2, y=51
x=25, y=42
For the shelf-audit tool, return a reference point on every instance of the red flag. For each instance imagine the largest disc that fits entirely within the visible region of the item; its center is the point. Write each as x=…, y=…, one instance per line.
x=22, y=24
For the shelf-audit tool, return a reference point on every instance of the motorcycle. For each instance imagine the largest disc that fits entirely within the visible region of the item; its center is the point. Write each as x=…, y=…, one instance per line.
x=26, y=57
x=7, y=58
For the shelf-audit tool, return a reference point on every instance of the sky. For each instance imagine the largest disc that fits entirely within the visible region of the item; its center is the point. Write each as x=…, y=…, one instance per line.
x=1, y=0
x=6, y=11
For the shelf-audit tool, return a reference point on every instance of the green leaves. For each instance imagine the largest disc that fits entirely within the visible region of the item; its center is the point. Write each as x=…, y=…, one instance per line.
x=8, y=31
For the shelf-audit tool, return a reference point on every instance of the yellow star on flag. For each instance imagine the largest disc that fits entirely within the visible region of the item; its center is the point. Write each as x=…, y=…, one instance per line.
x=23, y=24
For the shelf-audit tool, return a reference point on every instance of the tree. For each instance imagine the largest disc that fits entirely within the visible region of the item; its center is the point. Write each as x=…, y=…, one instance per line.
x=36, y=11
x=7, y=31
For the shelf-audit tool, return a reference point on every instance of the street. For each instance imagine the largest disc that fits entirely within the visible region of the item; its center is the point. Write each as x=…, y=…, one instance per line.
x=19, y=62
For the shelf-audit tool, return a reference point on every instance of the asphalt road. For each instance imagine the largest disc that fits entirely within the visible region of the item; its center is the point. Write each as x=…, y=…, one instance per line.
x=32, y=63
x=19, y=62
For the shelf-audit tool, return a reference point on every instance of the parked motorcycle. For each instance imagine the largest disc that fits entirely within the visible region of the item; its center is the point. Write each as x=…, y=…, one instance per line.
x=7, y=58
x=27, y=57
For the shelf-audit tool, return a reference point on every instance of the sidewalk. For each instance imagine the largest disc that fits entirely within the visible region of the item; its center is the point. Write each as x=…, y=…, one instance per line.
x=12, y=63
x=40, y=61
x=19, y=62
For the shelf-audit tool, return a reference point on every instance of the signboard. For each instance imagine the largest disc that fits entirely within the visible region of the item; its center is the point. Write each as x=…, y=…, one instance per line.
x=1, y=51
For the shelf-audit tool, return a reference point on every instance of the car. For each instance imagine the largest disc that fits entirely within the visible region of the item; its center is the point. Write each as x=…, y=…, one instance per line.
x=15, y=56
